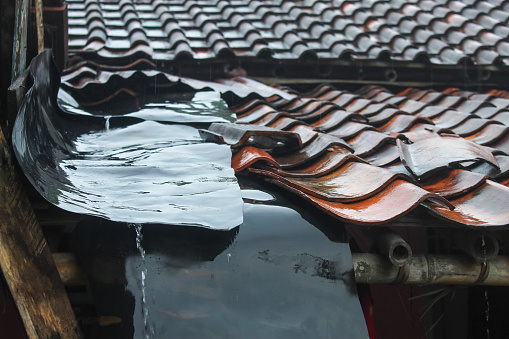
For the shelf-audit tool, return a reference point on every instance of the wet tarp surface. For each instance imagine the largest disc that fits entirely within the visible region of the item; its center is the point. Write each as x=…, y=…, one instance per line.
x=286, y=272
x=146, y=166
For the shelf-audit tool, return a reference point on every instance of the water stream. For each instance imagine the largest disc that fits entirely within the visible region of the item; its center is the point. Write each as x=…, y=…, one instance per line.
x=107, y=123
x=486, y=291
x=148, y=329
x=487, y=313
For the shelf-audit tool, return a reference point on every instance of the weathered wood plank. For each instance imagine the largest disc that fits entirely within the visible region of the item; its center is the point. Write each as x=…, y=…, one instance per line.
x=27, y=263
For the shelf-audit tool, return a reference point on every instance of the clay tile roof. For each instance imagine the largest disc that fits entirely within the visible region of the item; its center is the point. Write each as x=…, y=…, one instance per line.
x=438, y=150
x=440, y=32
x=365, y=156
x=453, y=177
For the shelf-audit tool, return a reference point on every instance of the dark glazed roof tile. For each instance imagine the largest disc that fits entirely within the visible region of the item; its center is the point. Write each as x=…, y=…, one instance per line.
x=327, y=163
x=450, y=118
x=491, y=172
x=368, y=142
x=349, y=130
x=306, y=133
x=314, y=149
x=472, y=126
x=238, y=135
x=440, y=32
x=403, y=123
x=386, y=155
x=426, y=157
x=335, y=119
x=490, y=134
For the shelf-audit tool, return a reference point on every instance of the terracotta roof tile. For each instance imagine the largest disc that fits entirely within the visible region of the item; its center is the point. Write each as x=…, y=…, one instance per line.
x=397, y=199
x=485, y=206
x=354, y=181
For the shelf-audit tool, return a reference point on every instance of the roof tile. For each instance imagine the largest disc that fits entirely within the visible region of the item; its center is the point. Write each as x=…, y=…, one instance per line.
x=485, y=206
x=426, y=31
x=425, y=157
x=336, y=170
x=397, y=199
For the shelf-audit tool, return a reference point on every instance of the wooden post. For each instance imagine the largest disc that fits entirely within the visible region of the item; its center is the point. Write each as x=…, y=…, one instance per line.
x=19, y=51
x=15, y=95
x=40, y=26
x=27, y=263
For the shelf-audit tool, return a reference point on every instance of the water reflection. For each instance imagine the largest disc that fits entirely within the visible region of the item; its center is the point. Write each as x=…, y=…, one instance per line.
x=200, y=107
x=275, y=276
x=127, y=167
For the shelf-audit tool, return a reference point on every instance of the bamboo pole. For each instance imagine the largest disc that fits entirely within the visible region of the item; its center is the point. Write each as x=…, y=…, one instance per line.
x=431, y=270
x=482, y=246
x=377, y=269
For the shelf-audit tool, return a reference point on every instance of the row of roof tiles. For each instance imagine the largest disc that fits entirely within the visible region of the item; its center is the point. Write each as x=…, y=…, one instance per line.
x=407, y=164
x=441, y=31
x=366, y=157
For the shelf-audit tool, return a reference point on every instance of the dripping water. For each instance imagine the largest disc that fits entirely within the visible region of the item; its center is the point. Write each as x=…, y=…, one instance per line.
x=483, y=245
x=487, y=312
x=148, y=329
x=107, y=123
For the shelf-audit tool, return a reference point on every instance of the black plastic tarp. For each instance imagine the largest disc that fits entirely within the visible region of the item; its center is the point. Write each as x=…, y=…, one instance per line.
x=142, y=169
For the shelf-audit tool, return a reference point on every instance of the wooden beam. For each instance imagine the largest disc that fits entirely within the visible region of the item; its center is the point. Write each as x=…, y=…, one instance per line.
x=27, y=263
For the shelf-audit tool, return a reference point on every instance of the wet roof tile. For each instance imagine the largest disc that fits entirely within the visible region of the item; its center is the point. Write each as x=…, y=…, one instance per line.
x=486, y=206
x=238, y=135
x=317, y=147
x=453, y=182
x=427, y=156
x=397, y=199
x=338, y=167
x=424, y=31
x=354, y=181
x=249, y=155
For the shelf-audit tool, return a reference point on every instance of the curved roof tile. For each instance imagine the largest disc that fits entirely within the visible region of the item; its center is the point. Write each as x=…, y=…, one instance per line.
x=426, y=31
